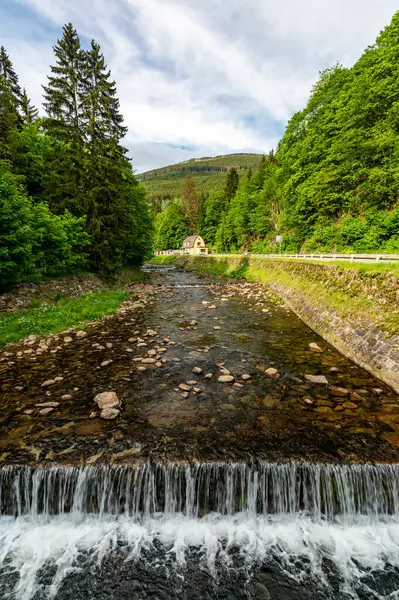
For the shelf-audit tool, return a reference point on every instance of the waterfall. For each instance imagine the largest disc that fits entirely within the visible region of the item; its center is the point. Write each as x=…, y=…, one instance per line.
x=316, y=490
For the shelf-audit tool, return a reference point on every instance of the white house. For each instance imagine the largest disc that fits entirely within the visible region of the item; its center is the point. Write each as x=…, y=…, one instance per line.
x=194, y=245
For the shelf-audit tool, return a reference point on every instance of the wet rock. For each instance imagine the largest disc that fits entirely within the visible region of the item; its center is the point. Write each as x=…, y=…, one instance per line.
x=152, y=352
x=28, y=411
x=323, y=409
x=197, y=370
x=318, y=379
x=184, y=394
x=68, y=339
x=226, y=378
x=48, y=405
x=105, y=363
x=148, y=361
x=107, y=400
x=66, y=397
x=19, y=388
x=184, y=387
x=314, y=347
x=151, y=332
x=141, y=369
x=81, y=334
x=246, y=377
x=209, y=376
x=46, y=411
x=158, y=364
x=338, y=391
x=217, y=328
x=57, y=379
x=109, y=345
x=109, y=413
x=272, y=372
x=307, y=401
x=192, y=382
x=48, y=382
x=350, y=405
x=334, y=370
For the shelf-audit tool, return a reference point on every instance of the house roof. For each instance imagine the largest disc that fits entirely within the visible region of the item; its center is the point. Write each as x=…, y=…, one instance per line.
x=190, y=241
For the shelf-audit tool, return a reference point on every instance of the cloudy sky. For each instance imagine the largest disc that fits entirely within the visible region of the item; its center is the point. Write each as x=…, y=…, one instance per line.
x=199, y=77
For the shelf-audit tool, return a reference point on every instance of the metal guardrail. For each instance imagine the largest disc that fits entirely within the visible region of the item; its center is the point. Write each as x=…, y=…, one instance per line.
x=348, y=257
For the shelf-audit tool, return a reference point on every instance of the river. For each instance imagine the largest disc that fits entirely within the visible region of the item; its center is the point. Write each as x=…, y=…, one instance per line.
x=228, y=474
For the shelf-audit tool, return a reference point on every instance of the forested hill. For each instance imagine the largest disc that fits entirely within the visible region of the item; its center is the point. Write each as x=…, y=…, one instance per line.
x=209, y=175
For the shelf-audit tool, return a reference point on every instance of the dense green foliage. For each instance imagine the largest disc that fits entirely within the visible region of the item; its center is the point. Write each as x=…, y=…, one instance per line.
x=171, y=227
x=52, y=318
x=68, y=195
x=333, y=184
x=209, y=174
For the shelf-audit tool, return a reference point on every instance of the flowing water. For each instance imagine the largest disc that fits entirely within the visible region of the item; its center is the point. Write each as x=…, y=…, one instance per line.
x=256, y=490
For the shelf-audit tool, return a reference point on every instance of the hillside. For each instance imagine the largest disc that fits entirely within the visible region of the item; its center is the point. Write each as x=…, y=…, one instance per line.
x=209, y=174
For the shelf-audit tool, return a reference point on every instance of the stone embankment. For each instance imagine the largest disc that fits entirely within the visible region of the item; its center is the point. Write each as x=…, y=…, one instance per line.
x=355, y=310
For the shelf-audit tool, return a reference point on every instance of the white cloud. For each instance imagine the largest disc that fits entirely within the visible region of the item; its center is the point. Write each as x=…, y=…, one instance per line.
x=208, y=74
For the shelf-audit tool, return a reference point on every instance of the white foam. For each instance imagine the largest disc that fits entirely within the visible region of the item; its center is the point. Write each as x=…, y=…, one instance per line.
x=32, y=542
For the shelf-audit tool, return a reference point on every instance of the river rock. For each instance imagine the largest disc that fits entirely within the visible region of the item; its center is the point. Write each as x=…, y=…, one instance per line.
x=66, y=397
x=48, y=405
x=272, y=372
x=46, y=411
x=48, y=382
x=184, y=387
x=151, y=332
x=105, y=363
x=209, y=376
x=350, y=405
x=197, y=370
x=314, y=347
x=109, y=413
x=338, y=391
x=81, y=334
x=246, y=377
x=226, y=379
x=319, y=379
x=148, y=361
x=323, y=409
x=68, y=339
x=107, y=400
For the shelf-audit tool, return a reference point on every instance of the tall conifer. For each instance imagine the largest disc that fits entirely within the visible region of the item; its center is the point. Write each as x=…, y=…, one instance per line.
x=29, y=112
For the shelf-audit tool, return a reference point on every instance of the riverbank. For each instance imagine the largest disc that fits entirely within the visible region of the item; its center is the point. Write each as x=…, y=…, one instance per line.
x=353, y=307
x=58, y=304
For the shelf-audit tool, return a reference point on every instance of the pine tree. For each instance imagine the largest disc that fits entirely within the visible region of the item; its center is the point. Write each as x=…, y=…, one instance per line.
x=190, y=203
x=10, y=94
x=63, y=98
x=231, y=186
x=113, y=200
x=29, y=112
x=8, y=73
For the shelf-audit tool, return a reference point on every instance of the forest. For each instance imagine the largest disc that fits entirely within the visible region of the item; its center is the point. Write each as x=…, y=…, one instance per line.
x=69, y=200
x=331, y=185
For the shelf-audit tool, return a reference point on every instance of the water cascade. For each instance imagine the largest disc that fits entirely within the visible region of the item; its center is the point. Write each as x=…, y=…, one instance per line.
x=309, y=521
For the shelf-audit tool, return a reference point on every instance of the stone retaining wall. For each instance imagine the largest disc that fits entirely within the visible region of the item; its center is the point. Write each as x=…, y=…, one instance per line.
x=369, y=337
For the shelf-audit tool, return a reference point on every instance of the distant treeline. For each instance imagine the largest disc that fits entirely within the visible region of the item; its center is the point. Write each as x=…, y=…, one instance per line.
x=68, y=196
x=333, y=183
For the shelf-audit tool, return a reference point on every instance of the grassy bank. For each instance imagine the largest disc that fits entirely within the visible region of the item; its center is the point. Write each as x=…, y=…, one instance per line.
x=48, y=319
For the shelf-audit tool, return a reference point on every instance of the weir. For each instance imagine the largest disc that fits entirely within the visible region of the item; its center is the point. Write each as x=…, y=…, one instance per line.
x=319, y=491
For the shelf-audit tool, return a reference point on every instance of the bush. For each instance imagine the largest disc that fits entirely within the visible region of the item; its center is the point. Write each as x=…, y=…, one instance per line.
x=33, y=241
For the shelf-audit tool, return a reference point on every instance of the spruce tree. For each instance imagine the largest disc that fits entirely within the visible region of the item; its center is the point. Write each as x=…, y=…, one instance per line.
x=10, y=94
x=63, y=100
x=113, y=200
x=29, y=112
x=231, y=186
x=190, y=203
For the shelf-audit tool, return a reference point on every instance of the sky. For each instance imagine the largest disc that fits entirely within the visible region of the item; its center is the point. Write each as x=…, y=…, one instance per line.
x=198, y=77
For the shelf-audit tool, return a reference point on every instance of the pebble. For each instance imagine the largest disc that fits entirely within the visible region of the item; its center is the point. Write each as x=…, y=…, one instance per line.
x=109, y=413
x=217, y=328
x=314, y=347
x=272, y=372
x=152, y=353
x=19, y=388
x=307, y=401
x=246, y=377
x=184, y=387
x=209, y=376
x=68, y=339
x=197, y=390
x=29, y=411
x=48, y=405
x=151, y=332
x=226, y=379
x=81, y=334
x=192, y=382
x=350, y=405
x=338, y=391
x=158, y=364
x=45, y=411
x=105, y=363
x=141, y=369
x=58, y=378
x=184, y=395
x=107, y=400
x=66, y=397
x=148, y=361
x=48, y=382
x=320, y=379
x=197, y=370
x=108, y=345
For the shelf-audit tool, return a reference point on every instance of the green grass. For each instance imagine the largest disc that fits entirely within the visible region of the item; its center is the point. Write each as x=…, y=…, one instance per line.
x=48, y=319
